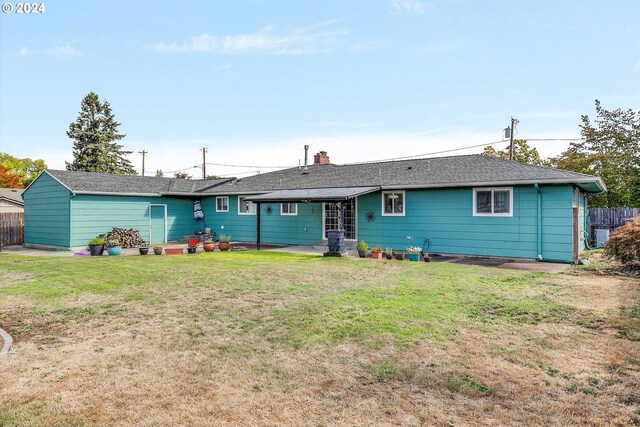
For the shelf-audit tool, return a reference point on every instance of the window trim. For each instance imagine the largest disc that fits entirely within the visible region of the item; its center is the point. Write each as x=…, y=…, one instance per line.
x=246, y=213
x=289, y=213
x=404, y=202
x=492, y=190
x=222, y=197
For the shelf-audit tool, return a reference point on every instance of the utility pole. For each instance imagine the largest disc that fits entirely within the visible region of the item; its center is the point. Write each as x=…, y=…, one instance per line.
x=144, y=153
x=204, y=162
x=513, y=124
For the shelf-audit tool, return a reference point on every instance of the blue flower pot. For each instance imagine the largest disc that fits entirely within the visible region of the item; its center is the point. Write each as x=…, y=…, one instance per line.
x=114, y=250
x=414, y=257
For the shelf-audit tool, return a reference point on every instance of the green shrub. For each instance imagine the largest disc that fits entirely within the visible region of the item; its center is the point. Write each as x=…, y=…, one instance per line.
x=624, y=242
x=97, y=241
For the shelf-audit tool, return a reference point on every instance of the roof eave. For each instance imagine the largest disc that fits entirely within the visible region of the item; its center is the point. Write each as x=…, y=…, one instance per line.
x=17, y=202
x=113, y=193
x=597, y=181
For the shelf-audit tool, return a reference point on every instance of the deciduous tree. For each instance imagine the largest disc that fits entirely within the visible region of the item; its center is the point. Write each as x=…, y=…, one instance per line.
x=28, y=168
x=522, y=153
x=10, y=179
x=610, y=149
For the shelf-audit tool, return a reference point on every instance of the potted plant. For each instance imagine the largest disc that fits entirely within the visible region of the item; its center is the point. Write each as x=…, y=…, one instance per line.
x=113, y=247
x=388, y=253
x=362, y=248
x=192, y=246
x=426, y=257
x=209, y=244
x=399, y=255
x=223, y=242
x=376, y=252
x=157, y=249
x=144, y=248
x=414, y=253
x=96, y=246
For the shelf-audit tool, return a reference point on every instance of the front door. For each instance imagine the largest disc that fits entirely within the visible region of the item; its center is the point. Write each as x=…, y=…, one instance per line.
x=331, y=214
x=158, y=223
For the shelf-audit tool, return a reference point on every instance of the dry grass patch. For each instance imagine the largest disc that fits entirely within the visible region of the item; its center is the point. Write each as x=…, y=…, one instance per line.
x=170, y=342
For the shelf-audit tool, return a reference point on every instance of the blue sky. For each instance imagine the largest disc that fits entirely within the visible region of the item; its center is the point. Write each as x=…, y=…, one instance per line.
x=254, y=81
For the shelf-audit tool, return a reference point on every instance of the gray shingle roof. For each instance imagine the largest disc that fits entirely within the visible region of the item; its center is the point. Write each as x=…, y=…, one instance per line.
x=12, y=194
x=455, y=171
x=430, y=172
x=89, y=182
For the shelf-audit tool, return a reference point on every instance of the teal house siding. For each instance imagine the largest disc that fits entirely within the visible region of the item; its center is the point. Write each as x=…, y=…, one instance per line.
x=95, y=214
x=47, y=213
x=302, y=229
x=305, y=228
x=98, y=214
x=446, y=217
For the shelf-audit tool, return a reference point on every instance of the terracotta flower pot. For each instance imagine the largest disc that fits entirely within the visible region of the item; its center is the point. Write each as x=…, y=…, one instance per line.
x=173, y=251
x=209, y=246
x=223, y=246
x=376, y=255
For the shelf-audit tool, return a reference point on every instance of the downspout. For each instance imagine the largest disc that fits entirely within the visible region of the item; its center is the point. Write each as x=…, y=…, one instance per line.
x=71, y=219
x=258, y=226
x=539, y=257
x=587, y=224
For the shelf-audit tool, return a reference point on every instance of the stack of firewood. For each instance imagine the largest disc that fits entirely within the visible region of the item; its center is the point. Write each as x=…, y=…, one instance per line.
x=128, y=238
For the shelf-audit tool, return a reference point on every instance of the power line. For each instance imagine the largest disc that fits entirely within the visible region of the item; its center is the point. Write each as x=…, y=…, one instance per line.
x=251, y=166
x=432, y=153
x=379, y=160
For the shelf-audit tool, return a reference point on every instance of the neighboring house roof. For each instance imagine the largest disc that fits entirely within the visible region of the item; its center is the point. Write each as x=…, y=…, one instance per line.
x=457, y=171
x=102, y=183
x=437, y=172
x=12, y=195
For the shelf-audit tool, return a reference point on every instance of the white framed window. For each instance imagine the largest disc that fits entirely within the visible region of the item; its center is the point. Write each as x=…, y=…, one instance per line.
x=393, y=203
x=246, y=207
x=493, y=201
x=288, y=209
x=222, y=204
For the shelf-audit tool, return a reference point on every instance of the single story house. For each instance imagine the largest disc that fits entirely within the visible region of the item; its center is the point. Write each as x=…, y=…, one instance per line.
x=11, y=200
x=471, y=205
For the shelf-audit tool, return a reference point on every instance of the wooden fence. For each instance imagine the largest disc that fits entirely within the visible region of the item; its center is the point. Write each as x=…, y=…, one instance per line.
x=610, y=218
x=11, y=228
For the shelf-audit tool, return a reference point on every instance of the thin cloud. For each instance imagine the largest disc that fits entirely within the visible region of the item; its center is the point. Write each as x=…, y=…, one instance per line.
x=407, y=6
x=552, y=114
x=299, y=41
x=224, y=67
x=24, y=51
x=438, y=49
x=637, y=67
x=65, y=51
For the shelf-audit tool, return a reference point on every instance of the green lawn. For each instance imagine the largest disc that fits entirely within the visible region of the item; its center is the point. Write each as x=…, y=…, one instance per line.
x=267, y=324
x=300, y=299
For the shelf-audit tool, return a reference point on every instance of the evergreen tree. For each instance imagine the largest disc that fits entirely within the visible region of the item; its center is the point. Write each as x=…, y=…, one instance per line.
x=95, y=132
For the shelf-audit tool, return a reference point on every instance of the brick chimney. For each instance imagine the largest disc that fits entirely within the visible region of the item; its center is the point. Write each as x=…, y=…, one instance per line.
x=321, y=158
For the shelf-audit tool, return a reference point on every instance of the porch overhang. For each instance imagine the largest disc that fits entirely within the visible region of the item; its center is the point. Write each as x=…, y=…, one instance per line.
x=313, y=195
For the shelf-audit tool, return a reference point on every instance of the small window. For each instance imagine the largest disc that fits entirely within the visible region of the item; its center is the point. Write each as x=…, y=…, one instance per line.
x=393, y=203
x=288, y=209
x=222, y=204
x=492, y=202
x=246, y=207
